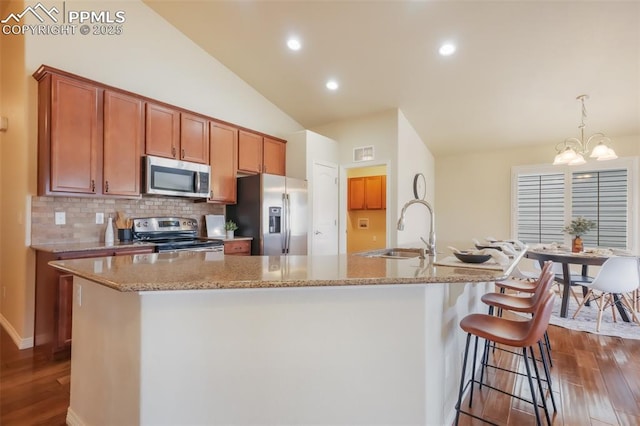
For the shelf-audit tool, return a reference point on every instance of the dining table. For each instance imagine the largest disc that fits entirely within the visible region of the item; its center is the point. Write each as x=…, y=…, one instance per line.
x=568, y=258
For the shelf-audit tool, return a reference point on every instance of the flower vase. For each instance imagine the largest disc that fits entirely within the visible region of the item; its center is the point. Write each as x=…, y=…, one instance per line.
x=230, y=235
x=576, y=244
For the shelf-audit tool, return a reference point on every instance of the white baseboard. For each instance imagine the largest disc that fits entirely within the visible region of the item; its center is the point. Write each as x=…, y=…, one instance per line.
x=20, y=342
x=73, y=419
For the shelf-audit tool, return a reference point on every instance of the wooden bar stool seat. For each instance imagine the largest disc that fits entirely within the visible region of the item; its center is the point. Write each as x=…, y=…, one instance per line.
x=517, y=334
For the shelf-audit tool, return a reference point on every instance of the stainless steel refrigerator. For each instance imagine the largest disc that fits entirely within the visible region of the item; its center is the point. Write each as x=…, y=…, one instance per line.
x=273, y=210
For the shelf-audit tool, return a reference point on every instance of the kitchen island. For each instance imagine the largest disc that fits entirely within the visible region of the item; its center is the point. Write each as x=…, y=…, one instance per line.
x=198, y=338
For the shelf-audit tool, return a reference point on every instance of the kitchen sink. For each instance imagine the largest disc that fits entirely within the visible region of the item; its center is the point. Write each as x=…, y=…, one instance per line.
x=393, y=253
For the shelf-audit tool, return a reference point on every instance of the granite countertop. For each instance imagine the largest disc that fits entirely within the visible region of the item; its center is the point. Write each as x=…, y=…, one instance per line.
x=89, y=246
x=66, y=247
x=208, y=270
x=236, y=238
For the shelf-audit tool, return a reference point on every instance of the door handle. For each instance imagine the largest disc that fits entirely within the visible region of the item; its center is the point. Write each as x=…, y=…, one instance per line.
x=317, y=233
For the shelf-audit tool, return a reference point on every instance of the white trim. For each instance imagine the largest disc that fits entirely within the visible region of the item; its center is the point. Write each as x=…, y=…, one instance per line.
x=73, y=419
x=633, y=190
x=19, y=341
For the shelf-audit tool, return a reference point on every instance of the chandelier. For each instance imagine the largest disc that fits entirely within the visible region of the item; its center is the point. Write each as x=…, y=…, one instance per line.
x=573, y=150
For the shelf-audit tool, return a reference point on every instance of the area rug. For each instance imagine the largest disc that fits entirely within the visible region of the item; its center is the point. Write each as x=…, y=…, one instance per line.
x=586, y=321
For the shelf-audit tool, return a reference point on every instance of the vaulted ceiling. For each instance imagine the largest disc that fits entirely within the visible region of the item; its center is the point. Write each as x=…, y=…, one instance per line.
x=513, y=80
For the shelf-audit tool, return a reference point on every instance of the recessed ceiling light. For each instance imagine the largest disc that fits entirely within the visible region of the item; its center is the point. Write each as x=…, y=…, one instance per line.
x=294, y=44
x=332, y=85
x=447, y=49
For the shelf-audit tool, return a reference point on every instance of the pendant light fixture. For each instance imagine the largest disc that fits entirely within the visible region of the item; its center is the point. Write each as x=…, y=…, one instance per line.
x=573, y=150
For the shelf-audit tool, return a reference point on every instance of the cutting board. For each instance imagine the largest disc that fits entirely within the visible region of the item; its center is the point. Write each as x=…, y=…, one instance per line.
x=215, y=225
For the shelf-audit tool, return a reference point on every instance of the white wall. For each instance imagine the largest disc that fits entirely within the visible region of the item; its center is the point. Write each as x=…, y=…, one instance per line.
x=398, y=146
x=473, y=190
x=150, y=58
x=154, y=59
x=379, y=130
x=413, y=157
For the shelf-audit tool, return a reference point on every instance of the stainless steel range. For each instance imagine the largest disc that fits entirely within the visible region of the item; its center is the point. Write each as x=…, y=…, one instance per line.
x=170, y=234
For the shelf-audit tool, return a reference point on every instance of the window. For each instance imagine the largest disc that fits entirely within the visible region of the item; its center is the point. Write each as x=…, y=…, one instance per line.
x=545, y=198
x=602, y=197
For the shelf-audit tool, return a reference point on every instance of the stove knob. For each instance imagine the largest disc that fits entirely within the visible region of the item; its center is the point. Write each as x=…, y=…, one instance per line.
x=146, y=224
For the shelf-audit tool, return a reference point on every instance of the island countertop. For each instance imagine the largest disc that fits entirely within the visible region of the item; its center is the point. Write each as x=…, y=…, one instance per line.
x=202, y=270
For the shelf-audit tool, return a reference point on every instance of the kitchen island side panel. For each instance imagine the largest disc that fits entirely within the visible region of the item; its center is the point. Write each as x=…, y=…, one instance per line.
x=386, y=354
x=105, y=356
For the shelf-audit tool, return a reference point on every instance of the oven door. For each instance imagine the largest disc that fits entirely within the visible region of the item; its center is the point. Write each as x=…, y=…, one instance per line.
x=211, y=253
x=165, y=176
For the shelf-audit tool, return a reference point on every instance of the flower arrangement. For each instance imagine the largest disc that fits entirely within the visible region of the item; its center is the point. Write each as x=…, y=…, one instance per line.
x=579, y=226
x=230, y=225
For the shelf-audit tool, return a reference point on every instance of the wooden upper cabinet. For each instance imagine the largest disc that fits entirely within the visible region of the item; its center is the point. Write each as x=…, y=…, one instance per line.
x=249, y=152
x=73, y=139
x=194, y=138
x=123, y=143
x=223, y=154
x=274, y=156
x=356, y=194
x=367, y=193
x=162, y=127
x=373, y=192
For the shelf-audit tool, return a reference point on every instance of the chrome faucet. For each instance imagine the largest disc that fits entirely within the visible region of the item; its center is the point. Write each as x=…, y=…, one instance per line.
x=431, y=244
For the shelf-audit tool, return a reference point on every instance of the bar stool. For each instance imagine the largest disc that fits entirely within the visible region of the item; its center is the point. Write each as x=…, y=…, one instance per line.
x=517, y=334
x=525, y=286
x=520, y=285
x=528, y=305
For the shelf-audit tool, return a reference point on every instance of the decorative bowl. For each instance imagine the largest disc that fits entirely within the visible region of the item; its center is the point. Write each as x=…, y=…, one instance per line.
x=472, y=258
x=489, y=246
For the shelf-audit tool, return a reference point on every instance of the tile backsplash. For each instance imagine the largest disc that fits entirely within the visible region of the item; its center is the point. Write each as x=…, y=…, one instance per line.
x=81, y=215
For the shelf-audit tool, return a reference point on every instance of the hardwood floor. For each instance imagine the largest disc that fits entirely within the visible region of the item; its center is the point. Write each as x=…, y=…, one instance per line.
x=596, y=381
x=33, y=390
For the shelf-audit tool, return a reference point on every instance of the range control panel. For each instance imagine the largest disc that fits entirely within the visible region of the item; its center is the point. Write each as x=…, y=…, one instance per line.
x=164, y=224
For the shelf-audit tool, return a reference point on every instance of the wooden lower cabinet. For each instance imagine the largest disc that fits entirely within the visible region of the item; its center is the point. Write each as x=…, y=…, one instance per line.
x=237, y=248
x=54, y=299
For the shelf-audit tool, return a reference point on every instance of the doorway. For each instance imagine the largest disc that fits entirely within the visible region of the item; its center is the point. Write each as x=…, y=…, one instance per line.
x=366, y=221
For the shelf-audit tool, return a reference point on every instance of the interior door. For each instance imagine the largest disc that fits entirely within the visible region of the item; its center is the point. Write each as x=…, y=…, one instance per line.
x=324, y=238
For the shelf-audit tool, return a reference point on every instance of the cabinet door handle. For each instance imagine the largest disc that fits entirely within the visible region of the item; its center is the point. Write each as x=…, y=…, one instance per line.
x=173, y=151
x=183, y=153
x=106, y=186
x=93, y=185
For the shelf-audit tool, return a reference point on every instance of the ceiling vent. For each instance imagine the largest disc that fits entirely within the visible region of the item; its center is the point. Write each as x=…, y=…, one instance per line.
x=363, y=153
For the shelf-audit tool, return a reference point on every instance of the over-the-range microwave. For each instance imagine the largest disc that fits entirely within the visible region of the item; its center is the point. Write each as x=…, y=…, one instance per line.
x=166, y=176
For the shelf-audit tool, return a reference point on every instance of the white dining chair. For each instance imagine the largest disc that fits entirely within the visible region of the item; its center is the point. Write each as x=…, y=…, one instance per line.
x=617, y=276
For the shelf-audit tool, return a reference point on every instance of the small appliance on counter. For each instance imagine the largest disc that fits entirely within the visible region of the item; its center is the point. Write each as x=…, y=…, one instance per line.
x=171, y=234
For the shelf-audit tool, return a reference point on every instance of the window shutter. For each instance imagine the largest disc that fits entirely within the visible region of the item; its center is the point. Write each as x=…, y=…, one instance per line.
x=540, y=207
x=602, y=197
